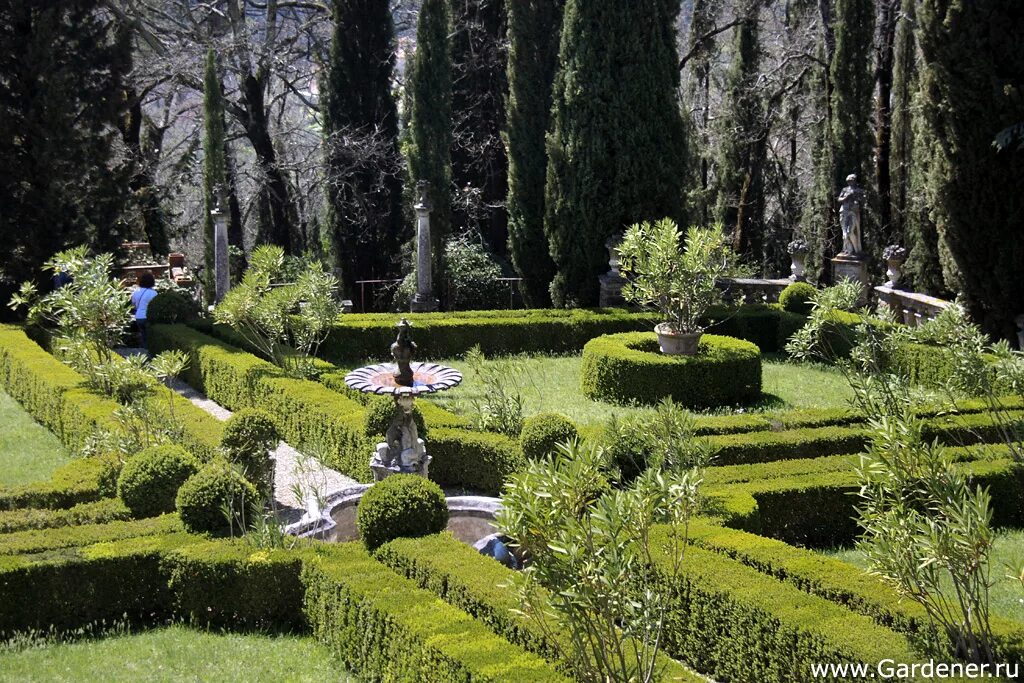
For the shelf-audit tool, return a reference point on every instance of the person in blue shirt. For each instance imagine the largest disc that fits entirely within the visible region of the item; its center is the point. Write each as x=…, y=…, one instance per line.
x=141, y=297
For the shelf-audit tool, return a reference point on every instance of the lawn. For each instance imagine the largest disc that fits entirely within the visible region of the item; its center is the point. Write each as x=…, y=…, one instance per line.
x=552, y=383
x=1006, y=595
x=28, y=451
x=176, y=653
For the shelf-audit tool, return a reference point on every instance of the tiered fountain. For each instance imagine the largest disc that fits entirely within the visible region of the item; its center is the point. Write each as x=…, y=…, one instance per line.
x=402, y=451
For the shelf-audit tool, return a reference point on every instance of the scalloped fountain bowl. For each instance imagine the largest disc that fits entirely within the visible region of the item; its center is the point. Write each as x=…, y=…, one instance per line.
x=427, y=378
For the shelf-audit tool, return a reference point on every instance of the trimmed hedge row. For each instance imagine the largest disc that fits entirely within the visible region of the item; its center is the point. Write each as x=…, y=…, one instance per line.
x=45, y=540
x=83, y=480
x=315, y=418
x=623, y=368
x=817, y=509
x=51, y=392
x=385, y=627
x=736, y=624
x=99, y=512
x=839, y=582
x=476, y=584
x=357, y=337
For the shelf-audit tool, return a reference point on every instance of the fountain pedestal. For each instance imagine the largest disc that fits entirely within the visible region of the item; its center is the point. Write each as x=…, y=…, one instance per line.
x=403, y=451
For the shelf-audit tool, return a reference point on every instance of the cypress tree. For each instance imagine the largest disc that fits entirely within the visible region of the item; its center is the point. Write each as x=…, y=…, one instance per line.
x=61, y=101
x=971, y=65
x=479, y=92
x=852, y=90
x=214, y=166
x=430, y=128
x=616, y=148
x=744, y=138
x=363, y=222
x=533, y=35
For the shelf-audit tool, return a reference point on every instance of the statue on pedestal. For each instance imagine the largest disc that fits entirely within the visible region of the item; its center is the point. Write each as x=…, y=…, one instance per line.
x=403, y=451
x=401, y=352
x=851, y=201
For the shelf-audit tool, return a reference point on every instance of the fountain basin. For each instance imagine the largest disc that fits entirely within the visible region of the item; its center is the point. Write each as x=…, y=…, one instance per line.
x=470, y=519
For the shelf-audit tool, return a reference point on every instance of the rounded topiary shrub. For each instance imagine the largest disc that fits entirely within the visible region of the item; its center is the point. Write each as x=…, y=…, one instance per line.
x=149, y=481
x=541, y=433
x=204, y=499
x=626, y=368
x=796, y=298
x=171, y=306
x=249, y=436
x=379, y=412
x=403, y=505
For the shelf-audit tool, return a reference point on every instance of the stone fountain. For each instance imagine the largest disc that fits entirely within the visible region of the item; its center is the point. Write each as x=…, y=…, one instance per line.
x=403, y=451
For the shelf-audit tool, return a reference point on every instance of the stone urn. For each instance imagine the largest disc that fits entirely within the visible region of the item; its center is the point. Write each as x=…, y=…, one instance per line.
x=895, y=256
x=798, y=258
x=677, y=343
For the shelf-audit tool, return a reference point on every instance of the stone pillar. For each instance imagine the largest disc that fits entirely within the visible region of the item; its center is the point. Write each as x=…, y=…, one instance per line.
x=423, y=301
x=221, y=259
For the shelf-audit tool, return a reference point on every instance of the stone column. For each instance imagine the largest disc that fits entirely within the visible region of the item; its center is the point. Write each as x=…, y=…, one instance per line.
x=222, y=273
x=424, y=300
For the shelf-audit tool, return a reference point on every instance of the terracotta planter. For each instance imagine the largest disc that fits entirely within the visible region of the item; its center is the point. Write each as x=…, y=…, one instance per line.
x=673, y=344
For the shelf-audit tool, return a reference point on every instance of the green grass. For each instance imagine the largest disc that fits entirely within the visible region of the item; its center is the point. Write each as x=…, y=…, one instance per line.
x=552, y=384
x=28, y=451
x=176, y=653
x=1006, y=595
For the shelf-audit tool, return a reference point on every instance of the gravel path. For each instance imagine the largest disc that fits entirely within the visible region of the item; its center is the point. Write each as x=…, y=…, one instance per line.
x=295, y=474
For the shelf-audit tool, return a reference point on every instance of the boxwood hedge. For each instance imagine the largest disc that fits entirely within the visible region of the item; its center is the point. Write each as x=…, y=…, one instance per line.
x=629, y=367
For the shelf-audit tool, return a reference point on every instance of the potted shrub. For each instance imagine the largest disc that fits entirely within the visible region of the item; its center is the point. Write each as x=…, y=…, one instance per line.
x=680, y=282
x=798, y=257
x=894, y=256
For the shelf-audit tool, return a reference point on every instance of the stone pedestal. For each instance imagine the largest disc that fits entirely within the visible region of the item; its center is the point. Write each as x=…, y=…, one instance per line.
x=611, y=290
x=849, y=267
x=424, y=300
x=381, y=470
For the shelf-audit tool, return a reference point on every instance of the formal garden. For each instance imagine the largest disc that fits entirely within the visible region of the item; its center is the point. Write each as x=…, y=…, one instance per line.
x=443, y=341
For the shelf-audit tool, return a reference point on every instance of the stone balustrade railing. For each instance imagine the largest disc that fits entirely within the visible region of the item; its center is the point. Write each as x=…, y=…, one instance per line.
x=910, y=307
x=752, y=290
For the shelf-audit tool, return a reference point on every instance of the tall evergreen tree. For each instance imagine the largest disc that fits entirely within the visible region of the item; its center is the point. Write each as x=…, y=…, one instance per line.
x=533, y=36
x=61, y=100
x=703, y=50
x=971, y=67
x=888, y=17
x=479, y=92
x=214, y=164
x=616, y=151
x=908, y=163
x=430, y=104
x=363, y=225
x=853, y=85
x=744, y=140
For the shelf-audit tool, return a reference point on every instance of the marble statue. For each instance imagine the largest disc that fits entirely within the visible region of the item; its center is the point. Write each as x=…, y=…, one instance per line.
x=401, y=352
x=403, y=451
x=851, y=201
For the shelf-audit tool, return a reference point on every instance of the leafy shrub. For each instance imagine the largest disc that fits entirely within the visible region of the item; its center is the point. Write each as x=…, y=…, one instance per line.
x=403, y=505
x=628, y=367
x=542, y=432
x=249, y=436
x=797, y=298
x=215, y=499
x=149, y=481
x=471, y=277
x=172, y=306
x=381, y=409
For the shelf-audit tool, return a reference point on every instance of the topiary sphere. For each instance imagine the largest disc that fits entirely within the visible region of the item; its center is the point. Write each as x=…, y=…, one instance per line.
x=403, y=505
x=150, y=480
x=541, y=433
x=202, y=500
x=380, y=410
x=249, y=436
x=796, y=298
x=170, y=306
